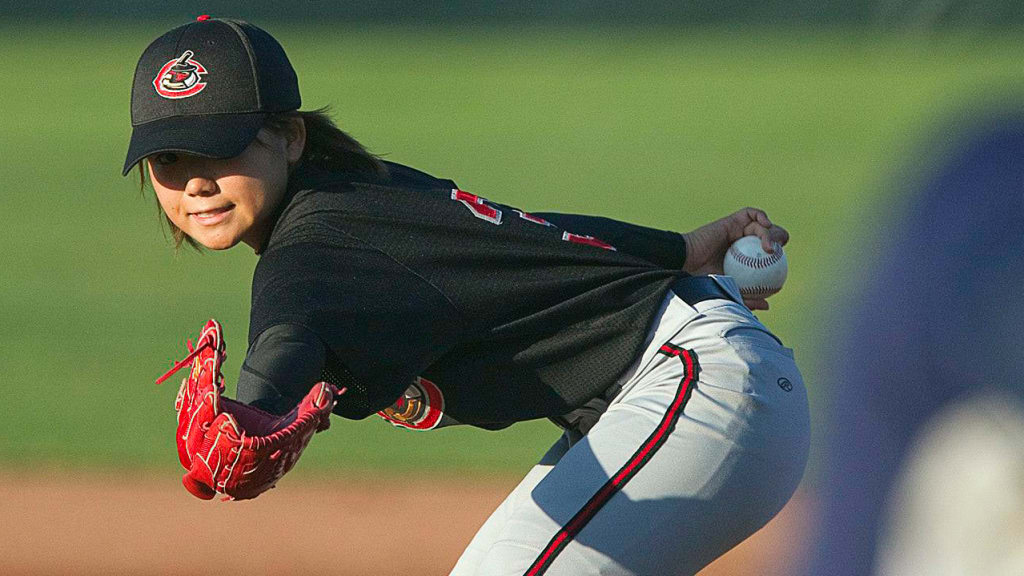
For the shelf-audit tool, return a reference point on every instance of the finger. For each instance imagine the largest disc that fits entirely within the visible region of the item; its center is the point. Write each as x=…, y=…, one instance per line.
x=756, y=303
x=750, y=214
x=762, y=218
x=756, y=229
x=780, y=235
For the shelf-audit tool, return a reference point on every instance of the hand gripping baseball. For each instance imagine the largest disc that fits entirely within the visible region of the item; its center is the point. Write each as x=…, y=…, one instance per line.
x=232, y=448
x=706, y=246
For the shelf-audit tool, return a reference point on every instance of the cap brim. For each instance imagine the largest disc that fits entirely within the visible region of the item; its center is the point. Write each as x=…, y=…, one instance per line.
x=209, y=136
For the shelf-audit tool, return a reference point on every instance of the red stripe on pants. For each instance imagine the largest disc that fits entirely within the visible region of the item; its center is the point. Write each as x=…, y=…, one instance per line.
x=632, y=466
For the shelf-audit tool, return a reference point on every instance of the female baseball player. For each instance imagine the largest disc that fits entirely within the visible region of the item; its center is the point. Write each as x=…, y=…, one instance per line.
x=685, y=419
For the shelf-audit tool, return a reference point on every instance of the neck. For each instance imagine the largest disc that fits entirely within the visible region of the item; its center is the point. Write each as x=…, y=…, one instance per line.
x=260, y=234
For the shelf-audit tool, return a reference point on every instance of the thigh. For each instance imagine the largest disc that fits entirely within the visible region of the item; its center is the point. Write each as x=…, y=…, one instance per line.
x=494, y=527
x=680, y=468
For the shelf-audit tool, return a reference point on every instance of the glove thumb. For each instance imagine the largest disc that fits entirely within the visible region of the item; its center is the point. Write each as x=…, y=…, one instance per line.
x=199, y=481
x=201, y=478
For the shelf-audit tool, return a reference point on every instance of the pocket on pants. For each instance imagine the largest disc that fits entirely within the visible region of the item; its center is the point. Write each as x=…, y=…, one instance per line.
x=752, y=335
x=763, y=354
x=738, y=323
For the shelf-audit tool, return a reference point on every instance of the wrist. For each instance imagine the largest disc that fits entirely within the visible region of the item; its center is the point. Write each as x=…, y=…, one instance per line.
x=695, y=245
x=686, y=248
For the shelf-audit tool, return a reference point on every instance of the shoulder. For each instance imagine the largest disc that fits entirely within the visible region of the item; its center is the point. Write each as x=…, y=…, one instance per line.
x=405, y=176
x=395, y=175
x=311, y=189
x=322, y=203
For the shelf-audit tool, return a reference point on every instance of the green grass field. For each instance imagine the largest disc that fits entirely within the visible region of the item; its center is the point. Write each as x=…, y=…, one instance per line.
x=668, y=129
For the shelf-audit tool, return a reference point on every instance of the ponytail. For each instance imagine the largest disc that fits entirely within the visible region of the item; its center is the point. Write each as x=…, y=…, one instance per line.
x=327, y=147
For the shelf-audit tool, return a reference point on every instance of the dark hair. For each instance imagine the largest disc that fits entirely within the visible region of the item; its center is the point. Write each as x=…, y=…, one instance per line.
x=327, y=147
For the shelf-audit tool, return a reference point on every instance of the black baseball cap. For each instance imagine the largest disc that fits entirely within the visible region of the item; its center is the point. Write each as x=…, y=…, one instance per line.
x=206, y=88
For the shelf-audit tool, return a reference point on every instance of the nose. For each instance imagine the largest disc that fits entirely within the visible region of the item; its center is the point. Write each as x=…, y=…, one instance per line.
x=198, y=186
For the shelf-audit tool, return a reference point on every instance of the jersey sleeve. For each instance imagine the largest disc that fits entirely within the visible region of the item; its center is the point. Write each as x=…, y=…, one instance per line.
x=280, y=366
x=380, y=323
x=664, y=248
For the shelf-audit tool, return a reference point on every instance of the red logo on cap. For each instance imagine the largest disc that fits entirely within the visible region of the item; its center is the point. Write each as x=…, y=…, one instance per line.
x=180, y=78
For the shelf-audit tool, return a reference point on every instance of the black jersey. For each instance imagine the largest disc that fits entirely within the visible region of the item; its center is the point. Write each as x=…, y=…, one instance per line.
x=492, y=314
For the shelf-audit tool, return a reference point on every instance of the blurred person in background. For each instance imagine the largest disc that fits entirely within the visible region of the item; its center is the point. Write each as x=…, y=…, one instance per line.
x=924, y=470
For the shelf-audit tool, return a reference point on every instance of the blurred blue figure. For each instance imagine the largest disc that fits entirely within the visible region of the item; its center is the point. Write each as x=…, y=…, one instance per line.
x=924, y=472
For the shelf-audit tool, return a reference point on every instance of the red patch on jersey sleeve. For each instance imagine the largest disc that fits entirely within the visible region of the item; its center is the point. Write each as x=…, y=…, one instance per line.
x=420, y=408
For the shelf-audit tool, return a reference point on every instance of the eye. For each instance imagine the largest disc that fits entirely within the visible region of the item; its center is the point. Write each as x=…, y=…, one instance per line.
x=165, y=158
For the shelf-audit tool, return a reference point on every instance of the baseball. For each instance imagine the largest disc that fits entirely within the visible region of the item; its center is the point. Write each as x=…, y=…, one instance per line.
x=755, y=271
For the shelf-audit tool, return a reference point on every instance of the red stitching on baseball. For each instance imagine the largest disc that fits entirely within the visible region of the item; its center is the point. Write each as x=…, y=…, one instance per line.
x=759, y=263
x=759, y=290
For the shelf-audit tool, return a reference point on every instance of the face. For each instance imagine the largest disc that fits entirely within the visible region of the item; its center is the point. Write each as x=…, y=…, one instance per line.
x=220, y=203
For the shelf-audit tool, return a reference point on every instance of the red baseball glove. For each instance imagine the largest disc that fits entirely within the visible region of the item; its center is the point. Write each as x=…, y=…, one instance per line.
x=232, y=448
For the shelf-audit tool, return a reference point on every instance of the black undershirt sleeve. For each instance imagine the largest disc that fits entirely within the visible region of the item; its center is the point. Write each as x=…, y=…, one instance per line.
x=280, y=367
x=664, y=248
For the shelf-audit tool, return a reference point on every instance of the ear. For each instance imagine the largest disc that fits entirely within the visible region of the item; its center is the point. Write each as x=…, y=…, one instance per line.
x=295, y=137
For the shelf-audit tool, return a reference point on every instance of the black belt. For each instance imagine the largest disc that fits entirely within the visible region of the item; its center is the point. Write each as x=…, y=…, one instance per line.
x=693, y=289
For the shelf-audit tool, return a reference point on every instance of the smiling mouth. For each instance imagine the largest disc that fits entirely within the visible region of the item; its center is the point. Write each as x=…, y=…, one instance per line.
x=210, y=217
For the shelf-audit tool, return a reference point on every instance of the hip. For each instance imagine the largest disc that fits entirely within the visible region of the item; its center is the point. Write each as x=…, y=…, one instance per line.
x=746, y=380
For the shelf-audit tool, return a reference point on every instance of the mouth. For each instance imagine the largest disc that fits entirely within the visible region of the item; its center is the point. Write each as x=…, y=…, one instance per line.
x=211, y=216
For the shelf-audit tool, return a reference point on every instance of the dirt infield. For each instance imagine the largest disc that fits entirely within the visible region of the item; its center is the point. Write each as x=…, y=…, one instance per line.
x=146, y=525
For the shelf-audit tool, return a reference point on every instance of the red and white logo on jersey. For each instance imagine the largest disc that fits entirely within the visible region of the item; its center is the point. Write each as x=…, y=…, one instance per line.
x=420, y=408
x=588, y=240
x=479, y=206
x=180, y=78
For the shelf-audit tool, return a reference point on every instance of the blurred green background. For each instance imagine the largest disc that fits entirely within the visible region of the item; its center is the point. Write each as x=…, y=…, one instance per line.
x=668, y=127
